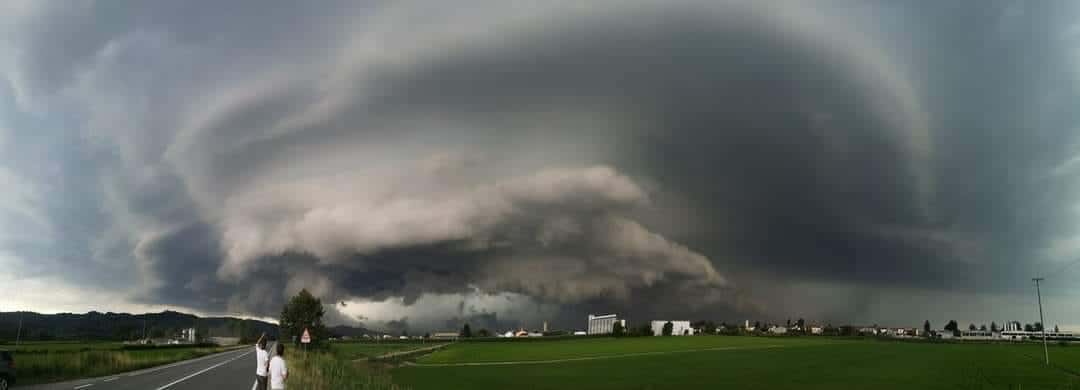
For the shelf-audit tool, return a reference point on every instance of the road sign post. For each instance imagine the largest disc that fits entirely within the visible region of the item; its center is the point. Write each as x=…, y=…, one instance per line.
x=305, y=340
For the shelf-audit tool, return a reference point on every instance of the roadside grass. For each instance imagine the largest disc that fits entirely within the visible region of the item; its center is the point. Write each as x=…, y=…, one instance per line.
x=319, y=370
x=52, y=365
x=798, y=363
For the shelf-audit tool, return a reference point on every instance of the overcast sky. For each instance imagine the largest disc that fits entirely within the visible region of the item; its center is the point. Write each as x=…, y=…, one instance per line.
x=420, y=164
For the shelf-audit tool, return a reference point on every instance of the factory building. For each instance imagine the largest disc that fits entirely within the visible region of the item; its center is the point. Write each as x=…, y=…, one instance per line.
x=603, y=324
x=678, y=328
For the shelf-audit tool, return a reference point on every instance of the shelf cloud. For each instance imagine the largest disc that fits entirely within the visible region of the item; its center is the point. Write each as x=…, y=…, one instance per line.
x=689, y=159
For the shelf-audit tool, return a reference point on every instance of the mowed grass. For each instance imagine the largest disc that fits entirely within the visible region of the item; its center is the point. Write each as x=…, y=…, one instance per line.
x=42, y=364
x=593, y=347
x=751, y=363
x=361, y=350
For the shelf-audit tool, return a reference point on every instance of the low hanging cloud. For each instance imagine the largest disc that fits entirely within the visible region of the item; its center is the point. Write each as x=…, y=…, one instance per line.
x=556, y=235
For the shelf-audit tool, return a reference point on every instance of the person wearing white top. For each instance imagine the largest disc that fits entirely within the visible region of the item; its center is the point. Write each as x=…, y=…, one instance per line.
x=278, y=372
x=262, y=360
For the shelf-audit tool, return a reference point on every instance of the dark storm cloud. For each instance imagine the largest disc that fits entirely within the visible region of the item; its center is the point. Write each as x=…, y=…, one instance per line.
x=617, y=158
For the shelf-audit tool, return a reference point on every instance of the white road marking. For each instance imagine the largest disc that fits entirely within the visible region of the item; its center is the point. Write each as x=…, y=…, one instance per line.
x=111, y=379
x=203, y=371
x=180, y=363
x=83, y=386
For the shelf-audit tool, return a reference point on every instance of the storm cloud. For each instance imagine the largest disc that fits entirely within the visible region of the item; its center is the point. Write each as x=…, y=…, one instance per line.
x=429, y=163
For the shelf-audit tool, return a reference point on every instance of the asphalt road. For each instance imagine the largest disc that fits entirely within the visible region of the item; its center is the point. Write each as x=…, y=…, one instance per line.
x=226, y=370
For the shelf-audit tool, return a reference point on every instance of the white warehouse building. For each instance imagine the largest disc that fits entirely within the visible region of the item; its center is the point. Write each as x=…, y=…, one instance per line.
x=678, y=328
x=604, y=324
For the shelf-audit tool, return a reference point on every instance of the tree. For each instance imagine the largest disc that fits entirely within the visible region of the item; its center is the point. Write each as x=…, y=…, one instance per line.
x=686, y=332
x=971, y=327
x=982, y=327
x=1038, y=327
x=952, y=326
x=303, y=311
x=617, y=329
x=993, y=327
x=1056, y=329
x=1029, y=328
x=466, y=332
x=757, y=325
x=709, y=328
x=668, y=328
x=483, y=333
x=801, y=324
x=704, y=327
x=788, y=325
x=644, y=330
x=926, y=328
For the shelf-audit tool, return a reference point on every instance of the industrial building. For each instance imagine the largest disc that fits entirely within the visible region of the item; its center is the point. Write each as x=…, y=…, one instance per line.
x=678, y=328
x=445, y=335
x=604, y=324
x=189, y=335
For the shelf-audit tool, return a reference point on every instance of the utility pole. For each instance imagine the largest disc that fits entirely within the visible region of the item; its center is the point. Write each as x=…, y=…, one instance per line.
x=1038, y=293
x=18, y=333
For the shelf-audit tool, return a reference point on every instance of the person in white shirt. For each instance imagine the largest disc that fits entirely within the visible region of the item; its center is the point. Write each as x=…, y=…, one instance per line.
x=262, y=360
x=278, y=372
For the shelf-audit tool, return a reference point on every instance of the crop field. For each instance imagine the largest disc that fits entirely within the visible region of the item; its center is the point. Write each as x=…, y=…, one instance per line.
x=42, y=346
x=353, y=351
x=709, y=362
x=41, y=362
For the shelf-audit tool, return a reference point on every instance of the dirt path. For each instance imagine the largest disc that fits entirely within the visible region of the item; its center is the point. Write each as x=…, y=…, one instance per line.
x=577, y=359
x=395, y=354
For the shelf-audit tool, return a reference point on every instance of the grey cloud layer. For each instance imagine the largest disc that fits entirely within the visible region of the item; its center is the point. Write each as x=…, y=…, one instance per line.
x=621, y=155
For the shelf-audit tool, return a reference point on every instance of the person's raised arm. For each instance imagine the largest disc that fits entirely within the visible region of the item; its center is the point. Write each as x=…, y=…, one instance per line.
x=261, y=337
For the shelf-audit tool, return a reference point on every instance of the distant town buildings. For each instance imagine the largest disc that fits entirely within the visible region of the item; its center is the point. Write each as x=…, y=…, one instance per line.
x=678, y=328
x=604, y=324
x=445, y=335
x=189, y=335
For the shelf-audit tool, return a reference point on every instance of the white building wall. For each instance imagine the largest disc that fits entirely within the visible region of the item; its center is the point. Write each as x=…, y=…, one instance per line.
x=677, y=328
x=602, y=324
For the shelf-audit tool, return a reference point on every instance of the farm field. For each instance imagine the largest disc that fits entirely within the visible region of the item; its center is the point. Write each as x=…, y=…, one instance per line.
x=42, y=346
x=360, y=350
x=41, y=362
x=742, y=362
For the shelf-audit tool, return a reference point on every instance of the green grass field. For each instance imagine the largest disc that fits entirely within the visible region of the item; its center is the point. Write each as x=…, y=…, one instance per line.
x=57, y=361
x=353, y=351
x=42, y=346
x=744, y=363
